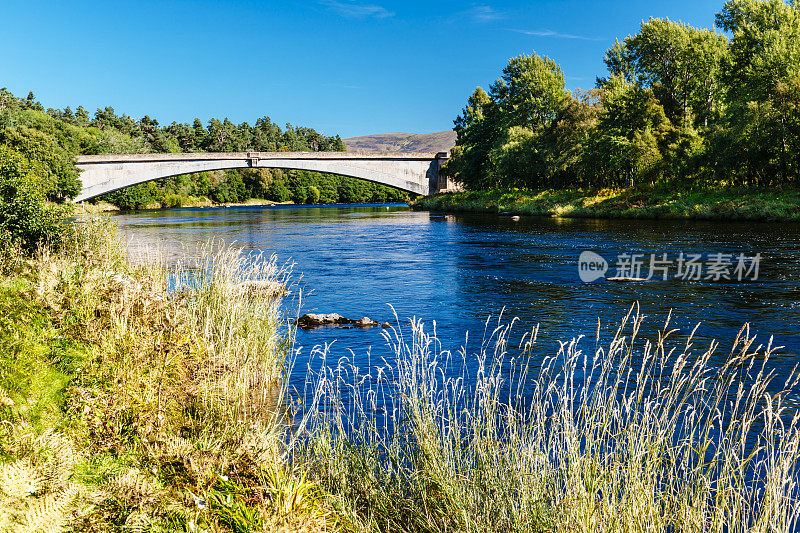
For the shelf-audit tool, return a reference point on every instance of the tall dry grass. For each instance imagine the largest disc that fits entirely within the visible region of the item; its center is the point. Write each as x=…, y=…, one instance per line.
x=633, y=435
x=177, y=412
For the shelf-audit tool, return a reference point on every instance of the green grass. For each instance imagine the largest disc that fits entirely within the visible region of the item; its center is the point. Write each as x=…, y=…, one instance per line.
x=644, y=202
x=36, y=362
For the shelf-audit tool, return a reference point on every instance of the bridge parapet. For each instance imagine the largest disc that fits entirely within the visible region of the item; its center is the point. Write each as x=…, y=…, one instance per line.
x=203, y=156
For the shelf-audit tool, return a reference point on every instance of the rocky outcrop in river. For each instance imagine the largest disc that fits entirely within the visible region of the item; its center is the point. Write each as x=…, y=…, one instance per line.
x=316, y=320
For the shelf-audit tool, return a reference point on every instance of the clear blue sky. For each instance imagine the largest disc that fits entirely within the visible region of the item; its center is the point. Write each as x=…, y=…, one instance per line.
x=349, y=67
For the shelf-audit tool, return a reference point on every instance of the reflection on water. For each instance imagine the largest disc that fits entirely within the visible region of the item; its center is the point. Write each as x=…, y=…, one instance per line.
x=457, y=270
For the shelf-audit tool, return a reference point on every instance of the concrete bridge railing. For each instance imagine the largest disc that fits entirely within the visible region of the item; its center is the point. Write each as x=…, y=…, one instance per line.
x=413, y=172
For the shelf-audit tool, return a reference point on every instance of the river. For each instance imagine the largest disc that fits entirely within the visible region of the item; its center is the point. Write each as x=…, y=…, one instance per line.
x=457, y=270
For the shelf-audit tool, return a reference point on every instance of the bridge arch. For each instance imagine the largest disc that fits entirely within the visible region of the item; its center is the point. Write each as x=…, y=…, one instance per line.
x=412, y=172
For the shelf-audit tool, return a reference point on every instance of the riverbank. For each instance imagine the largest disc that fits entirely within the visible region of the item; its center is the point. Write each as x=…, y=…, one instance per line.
x=202, y=201
x=644, y=203
x=129, y=406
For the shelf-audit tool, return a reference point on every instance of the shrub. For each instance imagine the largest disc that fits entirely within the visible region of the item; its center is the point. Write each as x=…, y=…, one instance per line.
x=27, y=219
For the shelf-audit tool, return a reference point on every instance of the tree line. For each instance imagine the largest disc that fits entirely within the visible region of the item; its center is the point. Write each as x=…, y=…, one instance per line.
x=57, y=135
x=683, y=105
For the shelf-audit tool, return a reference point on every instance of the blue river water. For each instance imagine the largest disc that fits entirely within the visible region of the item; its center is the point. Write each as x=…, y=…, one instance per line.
x=457, y=270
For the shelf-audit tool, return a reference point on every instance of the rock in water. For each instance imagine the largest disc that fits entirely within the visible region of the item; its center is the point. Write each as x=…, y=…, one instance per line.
x=315, y=320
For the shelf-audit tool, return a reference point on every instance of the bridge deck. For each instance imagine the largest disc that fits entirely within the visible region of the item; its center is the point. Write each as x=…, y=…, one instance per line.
x=206, y=156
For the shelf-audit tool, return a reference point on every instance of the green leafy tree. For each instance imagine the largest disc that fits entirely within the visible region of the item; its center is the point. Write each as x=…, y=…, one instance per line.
x=625, y=145
x=55, y=168
x=313, y=194
x=765, y=47
x=565, y=142
x=81, y=116
x=475, y=135
x=278, y=192
x=530, y=92
x=681, y=64
x=764, y=65
x=27, y=219
x=499, y=134
x=135, y=197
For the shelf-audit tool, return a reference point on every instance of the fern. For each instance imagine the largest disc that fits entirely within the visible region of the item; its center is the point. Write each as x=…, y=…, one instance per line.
x=18, y=480
x=134, y=489
x=49, y=513
x=57, y=458
x=35, y=494
x=137, y=522
x=176, y=446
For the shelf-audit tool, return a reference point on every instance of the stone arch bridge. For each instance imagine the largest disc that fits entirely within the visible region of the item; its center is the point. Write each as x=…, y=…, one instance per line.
x=412, y=172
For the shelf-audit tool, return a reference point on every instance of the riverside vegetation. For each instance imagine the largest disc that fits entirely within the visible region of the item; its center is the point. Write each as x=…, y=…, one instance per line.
x=140, y=397
x=661, y=202
x=682, y=112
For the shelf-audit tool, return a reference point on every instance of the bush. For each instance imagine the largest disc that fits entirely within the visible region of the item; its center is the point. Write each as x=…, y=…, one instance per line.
x=52, y=163
x=313, y=195
x=27, y=219
x=136, y=197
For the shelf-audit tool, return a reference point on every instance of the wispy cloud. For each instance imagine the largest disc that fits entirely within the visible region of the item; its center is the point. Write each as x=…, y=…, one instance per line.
x=484, y=13
x=342, y=86
x=557, y=35
x=358, y=10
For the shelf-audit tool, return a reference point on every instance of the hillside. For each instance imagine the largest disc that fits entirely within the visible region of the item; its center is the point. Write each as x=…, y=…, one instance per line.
x=442, y=141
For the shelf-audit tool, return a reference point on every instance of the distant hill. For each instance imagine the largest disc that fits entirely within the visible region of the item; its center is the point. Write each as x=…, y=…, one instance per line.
x=442, y=141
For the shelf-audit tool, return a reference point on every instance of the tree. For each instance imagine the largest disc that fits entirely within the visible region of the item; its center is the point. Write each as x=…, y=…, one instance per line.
x=475, y=136
x=135, y=197
x=221, y=136
x=565, y=142
x=625, y=144
x=54, y=164
x=763, y=67
x=313, y=194
x=26, y=218
x=153, y=135
x=81, y=116
x=199, y=133
x=499, y=134
x=278, y=192
x=681, y=64
x=530, y=92
x=765, y=48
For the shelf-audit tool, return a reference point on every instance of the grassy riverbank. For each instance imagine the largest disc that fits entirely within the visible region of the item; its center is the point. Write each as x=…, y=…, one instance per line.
x=642, y=202
x=191, y=202
x=126, y=406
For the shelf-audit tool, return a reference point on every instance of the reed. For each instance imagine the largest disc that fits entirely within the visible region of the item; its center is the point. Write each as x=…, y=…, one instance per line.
x=633, y=435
